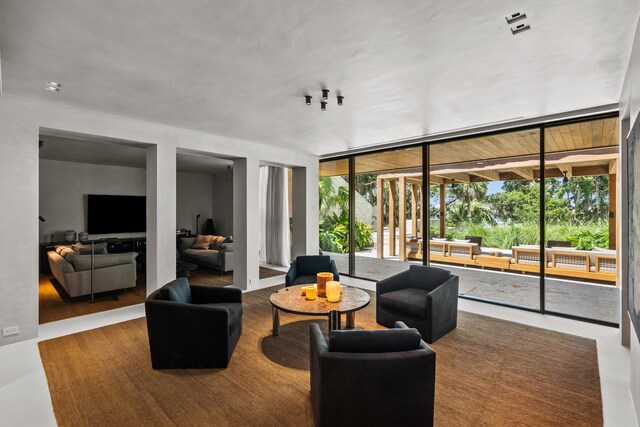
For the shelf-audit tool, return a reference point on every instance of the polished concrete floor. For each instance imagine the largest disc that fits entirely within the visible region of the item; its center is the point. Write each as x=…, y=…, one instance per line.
x=592, y=301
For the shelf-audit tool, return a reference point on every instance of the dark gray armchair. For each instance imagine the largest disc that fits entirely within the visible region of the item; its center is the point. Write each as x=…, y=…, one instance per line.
x=305, y=267
x=372, y=378
x=425, y=298
x=193, y=326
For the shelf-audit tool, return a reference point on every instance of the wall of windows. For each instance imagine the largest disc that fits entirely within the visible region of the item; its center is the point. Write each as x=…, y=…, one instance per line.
x=525, y=218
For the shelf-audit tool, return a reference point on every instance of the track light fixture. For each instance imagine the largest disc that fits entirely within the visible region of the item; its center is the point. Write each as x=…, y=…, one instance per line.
x=340, y=99
x=325, y=94
x=323, y=106
x=308, y=99
x=323, y=99
x=565, y=179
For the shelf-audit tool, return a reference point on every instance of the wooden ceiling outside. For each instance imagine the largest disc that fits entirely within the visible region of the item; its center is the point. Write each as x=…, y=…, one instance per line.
x=578, y=136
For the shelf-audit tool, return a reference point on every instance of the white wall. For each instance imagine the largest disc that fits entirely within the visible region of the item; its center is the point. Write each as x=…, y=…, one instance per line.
x=222, y=206
x=194, y=196
x=21, y=122
x=63, y=190
x=64, y=186
x=629, y=108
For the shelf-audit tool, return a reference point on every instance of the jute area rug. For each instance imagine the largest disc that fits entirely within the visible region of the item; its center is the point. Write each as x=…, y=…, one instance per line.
x=489, y=372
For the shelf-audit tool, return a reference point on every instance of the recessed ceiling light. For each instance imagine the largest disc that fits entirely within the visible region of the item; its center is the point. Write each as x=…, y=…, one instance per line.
x=53, y=89
x=515, y=17
x=520, y=28
x=55, y=84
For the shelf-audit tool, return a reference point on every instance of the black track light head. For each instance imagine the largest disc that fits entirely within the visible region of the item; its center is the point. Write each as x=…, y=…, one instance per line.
x=340, y=100
x=325, y=94
x=323, y=106
x=307, y=99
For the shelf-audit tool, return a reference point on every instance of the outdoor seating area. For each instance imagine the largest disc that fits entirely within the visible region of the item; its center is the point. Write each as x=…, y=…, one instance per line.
x=597, y=264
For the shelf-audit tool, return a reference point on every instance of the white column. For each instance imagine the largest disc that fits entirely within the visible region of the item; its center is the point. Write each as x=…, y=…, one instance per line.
x=18, y=225
x=246, y=223
x=161, y=216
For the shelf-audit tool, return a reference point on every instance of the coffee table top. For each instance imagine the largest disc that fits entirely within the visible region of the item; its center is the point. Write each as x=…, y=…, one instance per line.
x=290, y=300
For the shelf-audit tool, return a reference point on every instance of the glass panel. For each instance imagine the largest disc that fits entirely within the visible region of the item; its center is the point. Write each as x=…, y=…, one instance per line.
x=581, y=163
x=388, y=199
x=488, y=224
x=334, y=211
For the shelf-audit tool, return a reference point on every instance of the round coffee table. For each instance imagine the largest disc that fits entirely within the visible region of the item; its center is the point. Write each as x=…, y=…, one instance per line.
x=290, y=300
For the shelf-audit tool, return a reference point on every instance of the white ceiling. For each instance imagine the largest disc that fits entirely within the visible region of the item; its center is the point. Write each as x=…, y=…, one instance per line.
x=119, y=154
x=240, y=68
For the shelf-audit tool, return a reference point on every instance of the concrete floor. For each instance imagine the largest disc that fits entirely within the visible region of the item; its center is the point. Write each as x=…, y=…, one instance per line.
x=593, y=301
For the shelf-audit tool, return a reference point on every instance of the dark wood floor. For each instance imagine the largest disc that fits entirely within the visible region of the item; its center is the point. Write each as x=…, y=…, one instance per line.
x=489, y=372
x=56, y=304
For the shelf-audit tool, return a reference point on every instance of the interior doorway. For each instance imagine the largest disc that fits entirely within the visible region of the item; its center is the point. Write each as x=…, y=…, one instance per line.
x=92, y=192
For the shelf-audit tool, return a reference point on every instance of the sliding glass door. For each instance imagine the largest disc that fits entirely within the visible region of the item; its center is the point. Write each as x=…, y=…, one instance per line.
x=526, y=218
x=488, y=208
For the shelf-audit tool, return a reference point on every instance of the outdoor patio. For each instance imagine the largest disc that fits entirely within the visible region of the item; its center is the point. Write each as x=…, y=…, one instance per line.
x=587, y=300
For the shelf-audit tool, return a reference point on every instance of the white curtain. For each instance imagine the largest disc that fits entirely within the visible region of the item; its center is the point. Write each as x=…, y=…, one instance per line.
x=275, y=246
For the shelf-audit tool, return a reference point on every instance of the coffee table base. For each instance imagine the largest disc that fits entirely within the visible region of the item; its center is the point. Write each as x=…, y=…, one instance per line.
x=335, y=321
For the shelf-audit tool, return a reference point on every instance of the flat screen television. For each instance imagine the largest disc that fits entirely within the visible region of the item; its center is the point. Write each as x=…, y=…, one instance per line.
x=109, y=214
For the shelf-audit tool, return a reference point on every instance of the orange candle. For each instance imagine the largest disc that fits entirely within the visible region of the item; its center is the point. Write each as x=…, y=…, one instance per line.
x=311, y=293
x=322, y=279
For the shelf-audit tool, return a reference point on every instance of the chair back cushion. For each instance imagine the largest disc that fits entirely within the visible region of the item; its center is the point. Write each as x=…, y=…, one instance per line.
x=176, y=291
x=382, y=341
x=429, y=278
x=313, y=264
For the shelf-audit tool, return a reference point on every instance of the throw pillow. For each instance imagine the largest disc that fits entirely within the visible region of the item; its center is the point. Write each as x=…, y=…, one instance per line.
x=98, y=248
x=216, y=242
x=202, y=242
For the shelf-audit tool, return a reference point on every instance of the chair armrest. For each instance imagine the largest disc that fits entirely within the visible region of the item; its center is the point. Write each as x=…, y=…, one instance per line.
x=291, y=274
x=393, y=283
x=442, y=302
x=208, y=294
x=178, y=317
x=334, y=270
x=318, y=344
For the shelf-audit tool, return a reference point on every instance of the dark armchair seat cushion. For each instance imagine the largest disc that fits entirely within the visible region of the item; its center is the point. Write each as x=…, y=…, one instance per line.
x=411, y=301
x=382, y=341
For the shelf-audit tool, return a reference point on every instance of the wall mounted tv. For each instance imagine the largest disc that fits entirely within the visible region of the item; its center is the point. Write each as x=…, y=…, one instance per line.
x=116, y=214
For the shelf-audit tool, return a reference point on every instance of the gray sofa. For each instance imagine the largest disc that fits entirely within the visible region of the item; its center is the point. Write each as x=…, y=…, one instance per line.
x=73, y=271
x=220, y=259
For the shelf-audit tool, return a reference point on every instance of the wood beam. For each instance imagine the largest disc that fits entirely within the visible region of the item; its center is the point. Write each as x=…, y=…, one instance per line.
x=380, y=216
x=402, y=218
x=612, y=212
x=613, y=167
x=414, y=210
x=526, y=173
x=392, y=218
x=566, y=169
x=442, y=213
x=491, y=175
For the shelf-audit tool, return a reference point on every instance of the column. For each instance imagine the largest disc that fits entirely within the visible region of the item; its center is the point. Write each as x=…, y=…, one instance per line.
x=246, y=223
x=402, y=218
x=380, y=216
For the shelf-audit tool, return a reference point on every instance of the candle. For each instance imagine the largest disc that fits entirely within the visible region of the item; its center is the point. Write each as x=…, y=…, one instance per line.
x=311, y=293
x=333, y=291
x=322, y=279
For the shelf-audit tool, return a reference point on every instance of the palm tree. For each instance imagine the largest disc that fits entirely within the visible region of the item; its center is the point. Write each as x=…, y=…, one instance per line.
x=467, y=193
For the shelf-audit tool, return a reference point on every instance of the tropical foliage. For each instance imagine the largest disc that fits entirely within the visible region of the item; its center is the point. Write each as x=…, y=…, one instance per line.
x=334, y=220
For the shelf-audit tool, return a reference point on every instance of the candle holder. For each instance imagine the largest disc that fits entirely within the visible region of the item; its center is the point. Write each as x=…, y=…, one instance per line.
x=311, y=293
x=333, y=291
x=322, y=279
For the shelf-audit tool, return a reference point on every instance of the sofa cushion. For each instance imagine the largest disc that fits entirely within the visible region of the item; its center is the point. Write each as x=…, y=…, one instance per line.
x=412, y=301
x=235, y=314
x=83, y=262
x=207, y=256
x=216, y=241
x=226, y=247
x=176, y=291
x=382, y=341
x=98, y=248
x=427, y=277
x=312, y=264
x=202, y=241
